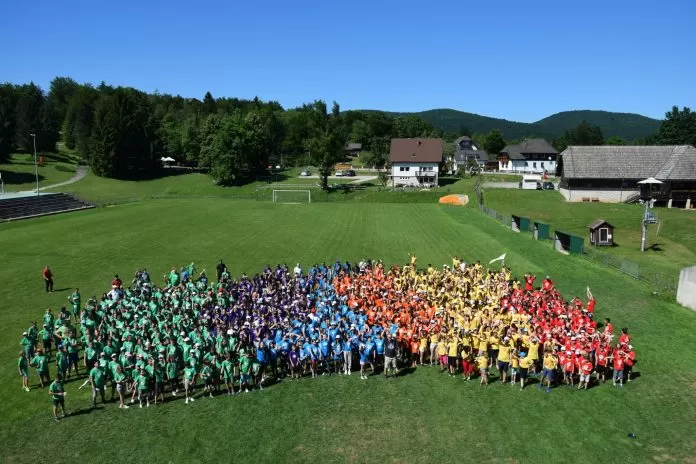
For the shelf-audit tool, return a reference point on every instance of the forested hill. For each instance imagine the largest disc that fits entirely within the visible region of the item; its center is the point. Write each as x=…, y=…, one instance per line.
x=626, y=125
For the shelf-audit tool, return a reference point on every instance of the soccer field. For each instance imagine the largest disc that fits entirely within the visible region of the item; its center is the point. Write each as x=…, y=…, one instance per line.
x=423, y=416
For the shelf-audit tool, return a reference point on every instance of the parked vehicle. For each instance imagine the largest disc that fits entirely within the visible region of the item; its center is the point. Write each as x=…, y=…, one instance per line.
x=349, y=173
x=530, y=182
x=305, y=173
x=548, y=186
x=340, y=174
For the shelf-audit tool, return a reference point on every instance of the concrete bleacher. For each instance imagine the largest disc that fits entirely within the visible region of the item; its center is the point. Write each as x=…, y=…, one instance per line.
x=26, y=206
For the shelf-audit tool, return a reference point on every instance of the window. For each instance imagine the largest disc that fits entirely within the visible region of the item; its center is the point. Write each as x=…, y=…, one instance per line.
x=403, y=168
x=534, y=164
x=526, y=163
x=542, y=164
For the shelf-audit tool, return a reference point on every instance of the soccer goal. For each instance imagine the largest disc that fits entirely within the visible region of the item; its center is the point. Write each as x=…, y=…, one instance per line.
x=292, y=196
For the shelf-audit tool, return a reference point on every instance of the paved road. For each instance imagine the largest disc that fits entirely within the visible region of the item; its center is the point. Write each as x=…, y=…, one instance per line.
x=501, y=185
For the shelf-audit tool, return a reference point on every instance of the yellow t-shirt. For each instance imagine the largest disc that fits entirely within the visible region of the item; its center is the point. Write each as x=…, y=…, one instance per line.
x=525, y=363
x=433, y=338
x=482, y=362
x=441, y=349
x=504, y=353
x=515, y=362
x=550, y=362
x=452, y=349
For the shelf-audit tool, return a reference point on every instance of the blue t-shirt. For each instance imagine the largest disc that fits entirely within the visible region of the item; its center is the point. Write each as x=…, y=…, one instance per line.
x=379, y=344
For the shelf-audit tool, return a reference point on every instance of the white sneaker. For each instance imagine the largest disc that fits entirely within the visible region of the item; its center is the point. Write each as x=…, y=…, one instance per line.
x=141, y=405
x=191, y=399
x=187, y=400
x=148, y=405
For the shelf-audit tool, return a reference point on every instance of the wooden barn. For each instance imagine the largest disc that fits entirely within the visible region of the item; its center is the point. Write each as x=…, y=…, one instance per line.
x=601, y=233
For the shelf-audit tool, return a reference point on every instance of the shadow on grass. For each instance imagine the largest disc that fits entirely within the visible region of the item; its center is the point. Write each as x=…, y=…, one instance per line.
x=13, y=178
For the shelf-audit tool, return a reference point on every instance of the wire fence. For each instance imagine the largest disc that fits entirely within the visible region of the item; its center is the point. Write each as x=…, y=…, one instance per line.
x=663, y=283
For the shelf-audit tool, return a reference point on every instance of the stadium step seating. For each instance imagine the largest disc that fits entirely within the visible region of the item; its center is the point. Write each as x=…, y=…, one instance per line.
x=41, y=205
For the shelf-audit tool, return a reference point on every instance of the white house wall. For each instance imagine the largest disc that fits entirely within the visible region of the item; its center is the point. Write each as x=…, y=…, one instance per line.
x=528, y=166
x=409, y=177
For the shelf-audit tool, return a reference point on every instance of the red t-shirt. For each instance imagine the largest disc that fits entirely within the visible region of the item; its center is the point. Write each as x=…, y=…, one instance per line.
x=586, y=367
x=618, y=362
x=569, y=365
x=47, y=273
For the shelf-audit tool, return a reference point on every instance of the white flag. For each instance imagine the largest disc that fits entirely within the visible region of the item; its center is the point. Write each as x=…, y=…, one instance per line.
x=499, y=258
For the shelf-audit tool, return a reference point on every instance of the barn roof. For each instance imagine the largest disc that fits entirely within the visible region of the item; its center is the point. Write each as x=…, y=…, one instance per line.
x=529, y=146
x=599, y=223
x=416, y=151
x=671, y=162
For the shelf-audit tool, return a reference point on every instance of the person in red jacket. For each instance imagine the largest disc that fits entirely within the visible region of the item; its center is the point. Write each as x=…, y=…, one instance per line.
x=48, y=279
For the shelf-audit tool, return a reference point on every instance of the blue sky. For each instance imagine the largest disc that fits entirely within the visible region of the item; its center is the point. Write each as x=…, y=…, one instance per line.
x=519, y=60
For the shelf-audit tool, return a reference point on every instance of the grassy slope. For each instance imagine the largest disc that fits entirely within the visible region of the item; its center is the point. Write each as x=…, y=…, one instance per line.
x=673, y=248
x=18, y=174
x=421, y=417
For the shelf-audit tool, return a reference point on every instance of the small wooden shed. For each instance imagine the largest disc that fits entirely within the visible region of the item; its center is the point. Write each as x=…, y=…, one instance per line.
x=601, y=233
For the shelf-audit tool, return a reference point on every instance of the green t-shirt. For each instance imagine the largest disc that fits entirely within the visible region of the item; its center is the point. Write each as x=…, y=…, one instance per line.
x=227, y=369
x=40, y=362
x=172, y=370
x=72, y=345
x=55, y=388
x=119, y=377
x=245, y=364
x=97, y=376
x=22, y=363
x=190, y=373
x=143, y=382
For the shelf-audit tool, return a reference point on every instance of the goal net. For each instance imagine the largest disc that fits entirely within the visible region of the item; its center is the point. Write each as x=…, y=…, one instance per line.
x=292, y=196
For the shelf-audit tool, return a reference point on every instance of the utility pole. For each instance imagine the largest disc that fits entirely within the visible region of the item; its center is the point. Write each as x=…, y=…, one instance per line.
x=36, y=165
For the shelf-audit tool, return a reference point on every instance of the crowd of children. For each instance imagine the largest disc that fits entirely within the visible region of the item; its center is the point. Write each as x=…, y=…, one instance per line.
x=198, y=337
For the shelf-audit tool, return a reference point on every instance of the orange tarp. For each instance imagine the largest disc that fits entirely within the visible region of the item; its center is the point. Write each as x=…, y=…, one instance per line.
x=461, y=200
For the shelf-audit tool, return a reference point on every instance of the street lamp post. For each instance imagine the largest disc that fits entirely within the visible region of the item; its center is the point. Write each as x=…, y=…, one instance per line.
x=36, y=165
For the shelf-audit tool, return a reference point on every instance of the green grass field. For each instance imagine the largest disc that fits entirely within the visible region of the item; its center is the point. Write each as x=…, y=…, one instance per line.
x=670, y=247
x=18, y=174
x=420, y=417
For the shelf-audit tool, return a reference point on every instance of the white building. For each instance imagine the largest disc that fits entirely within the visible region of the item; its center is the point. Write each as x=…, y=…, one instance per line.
x=530, y=156
x=415, y=162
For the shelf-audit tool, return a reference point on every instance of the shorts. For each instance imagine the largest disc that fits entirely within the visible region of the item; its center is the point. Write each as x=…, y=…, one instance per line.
x=246, y=378
x=585, y=377
x=389, y=363
x=120, y=387
x=523, y=372
x=73, y=357
x=443, y=359
x=483, y=371
x=59, y=402
x=452, y=361
x=547, y=374
x=188, y=383
x=503, y=366
x=24, y=373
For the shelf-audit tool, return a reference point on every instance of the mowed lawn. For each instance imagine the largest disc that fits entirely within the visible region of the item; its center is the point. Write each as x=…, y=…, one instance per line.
x=670, y=246
x=18, y=174
x=420, y=417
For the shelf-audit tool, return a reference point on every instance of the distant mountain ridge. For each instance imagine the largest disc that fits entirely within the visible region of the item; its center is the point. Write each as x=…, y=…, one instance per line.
x=630, y=126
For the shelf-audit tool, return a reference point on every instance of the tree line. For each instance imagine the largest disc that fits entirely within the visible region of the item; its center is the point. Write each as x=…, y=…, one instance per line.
x=123, y=132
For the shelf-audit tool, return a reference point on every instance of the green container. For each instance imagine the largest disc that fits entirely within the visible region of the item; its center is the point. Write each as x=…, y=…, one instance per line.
x=524, y=223
x=577, y=244
x=541, y=231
